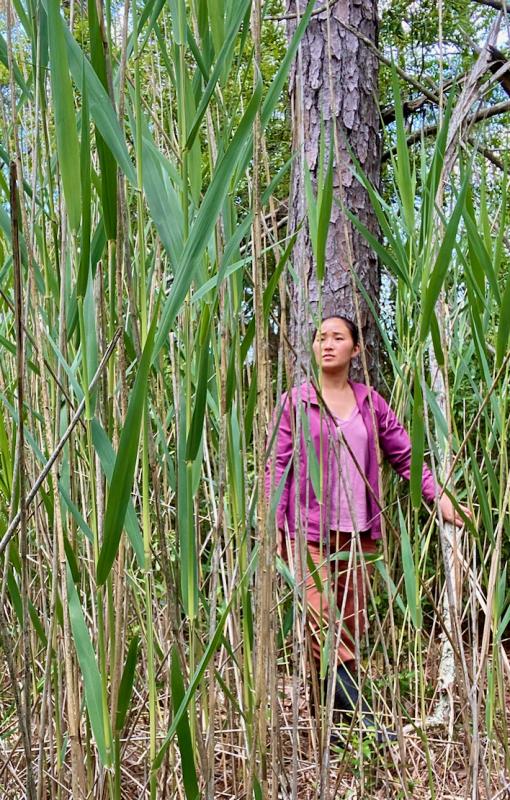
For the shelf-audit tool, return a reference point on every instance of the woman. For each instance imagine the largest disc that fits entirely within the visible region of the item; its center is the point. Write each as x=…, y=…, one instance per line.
x=336, y=497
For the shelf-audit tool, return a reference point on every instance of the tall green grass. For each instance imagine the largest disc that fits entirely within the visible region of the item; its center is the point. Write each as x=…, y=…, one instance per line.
x=137, y=590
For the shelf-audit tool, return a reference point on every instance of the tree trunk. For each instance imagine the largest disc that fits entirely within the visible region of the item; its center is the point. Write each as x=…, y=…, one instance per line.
x=335, y=79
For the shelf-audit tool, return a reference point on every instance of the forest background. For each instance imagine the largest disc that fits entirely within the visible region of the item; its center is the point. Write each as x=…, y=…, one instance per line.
x=148, y=313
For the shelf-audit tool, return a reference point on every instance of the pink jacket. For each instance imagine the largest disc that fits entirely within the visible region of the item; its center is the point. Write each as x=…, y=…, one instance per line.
x=393, y=440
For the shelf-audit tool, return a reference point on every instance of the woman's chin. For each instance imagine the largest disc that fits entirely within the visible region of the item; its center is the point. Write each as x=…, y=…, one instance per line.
x=332, y=365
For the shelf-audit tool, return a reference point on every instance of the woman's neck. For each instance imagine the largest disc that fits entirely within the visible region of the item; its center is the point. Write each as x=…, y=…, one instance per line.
x=337, y=381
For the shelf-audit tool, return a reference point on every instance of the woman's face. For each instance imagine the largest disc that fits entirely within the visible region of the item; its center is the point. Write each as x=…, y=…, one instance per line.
x=334, y=346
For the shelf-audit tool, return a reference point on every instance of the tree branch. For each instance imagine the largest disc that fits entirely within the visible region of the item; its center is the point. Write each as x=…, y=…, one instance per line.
x=283, y=17
x=411, y=106
x=429, y=130
x=498, y=65
x=499, y=5
x=488, y=154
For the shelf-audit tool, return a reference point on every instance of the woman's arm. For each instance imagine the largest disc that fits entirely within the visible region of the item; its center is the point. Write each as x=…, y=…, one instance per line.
x=396, y=446
x=280, y=450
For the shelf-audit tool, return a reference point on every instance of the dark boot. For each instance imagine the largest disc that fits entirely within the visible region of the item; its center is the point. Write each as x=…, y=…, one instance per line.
x=347, y=700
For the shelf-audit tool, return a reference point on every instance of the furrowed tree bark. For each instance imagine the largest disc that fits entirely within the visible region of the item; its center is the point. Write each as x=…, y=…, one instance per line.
x=334, y=83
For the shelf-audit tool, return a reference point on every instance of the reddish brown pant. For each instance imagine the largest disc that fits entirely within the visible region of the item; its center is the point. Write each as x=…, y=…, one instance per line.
x=341, y=579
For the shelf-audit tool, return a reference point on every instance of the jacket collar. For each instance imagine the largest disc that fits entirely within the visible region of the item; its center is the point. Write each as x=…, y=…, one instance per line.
x=308, y=393
x=360, y=392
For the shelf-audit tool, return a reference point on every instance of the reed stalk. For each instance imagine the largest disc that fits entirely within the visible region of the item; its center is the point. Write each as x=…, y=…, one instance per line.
x=153, y=644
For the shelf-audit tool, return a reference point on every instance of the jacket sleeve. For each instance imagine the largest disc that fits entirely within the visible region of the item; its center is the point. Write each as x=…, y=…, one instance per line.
x=396, y=446
x=280, y=451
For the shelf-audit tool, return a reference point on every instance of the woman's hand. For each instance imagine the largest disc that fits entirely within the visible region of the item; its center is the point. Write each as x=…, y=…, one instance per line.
x=449, y=513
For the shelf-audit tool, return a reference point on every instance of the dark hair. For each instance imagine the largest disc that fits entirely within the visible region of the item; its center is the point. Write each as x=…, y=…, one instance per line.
x=353, y=328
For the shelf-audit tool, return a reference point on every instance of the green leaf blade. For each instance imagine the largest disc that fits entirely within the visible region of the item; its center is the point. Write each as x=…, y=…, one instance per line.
x=189, y=774
x=68, y=147
x=123, y=473
x=89, y=671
